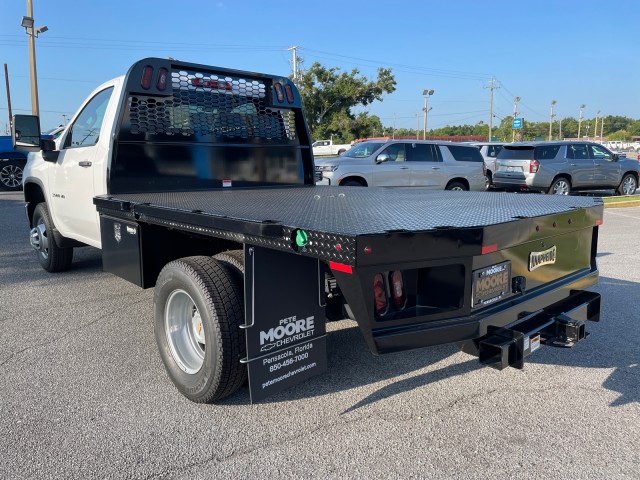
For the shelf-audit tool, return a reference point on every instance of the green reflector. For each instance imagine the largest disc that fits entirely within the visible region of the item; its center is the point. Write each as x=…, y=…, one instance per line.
x=301, y=238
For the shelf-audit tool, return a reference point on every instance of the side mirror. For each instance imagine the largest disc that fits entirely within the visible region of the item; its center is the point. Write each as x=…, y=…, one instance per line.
x=615, y=157
x=383, y=157
x=26, y=133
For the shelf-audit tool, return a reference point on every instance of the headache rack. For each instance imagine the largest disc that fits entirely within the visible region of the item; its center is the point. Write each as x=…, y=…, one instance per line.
x=185, y=126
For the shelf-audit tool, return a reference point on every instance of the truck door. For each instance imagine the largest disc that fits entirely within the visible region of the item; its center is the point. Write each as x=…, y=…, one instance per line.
x=580, y=165
x=72, y=176
x=394, y=171
x=426, y=166
x=607, y=171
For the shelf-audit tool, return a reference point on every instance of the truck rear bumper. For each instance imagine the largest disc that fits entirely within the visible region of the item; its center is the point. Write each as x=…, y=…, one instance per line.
x=553, y=315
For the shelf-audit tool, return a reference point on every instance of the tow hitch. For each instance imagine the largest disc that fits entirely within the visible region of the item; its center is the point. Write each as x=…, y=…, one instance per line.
x=508, y=346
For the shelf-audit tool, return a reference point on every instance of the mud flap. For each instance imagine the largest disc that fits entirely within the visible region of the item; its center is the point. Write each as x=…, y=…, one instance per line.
x=284, y=320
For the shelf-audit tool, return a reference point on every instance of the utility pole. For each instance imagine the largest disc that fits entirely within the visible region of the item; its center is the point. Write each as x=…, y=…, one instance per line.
x=393, y=132
x=295, y=61
x=602, y=128
x=551, y=115
x=580, y=119
x=560, y=131
x=491, y=87
x=426, y=93
x=6, y=80
x=595, y=131
x=515, y=114
x=417, y=127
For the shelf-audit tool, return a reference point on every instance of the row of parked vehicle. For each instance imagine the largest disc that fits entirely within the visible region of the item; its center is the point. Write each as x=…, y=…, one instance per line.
x=551, y=167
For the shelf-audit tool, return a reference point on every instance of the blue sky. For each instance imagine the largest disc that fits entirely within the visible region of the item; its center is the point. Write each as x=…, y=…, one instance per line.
x=576, y=52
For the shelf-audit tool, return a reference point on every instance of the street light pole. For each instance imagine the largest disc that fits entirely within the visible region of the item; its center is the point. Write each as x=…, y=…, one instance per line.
x=580, y=119
x=426, y=94
x=595, y=131
x=553, y=102
x=29, y=25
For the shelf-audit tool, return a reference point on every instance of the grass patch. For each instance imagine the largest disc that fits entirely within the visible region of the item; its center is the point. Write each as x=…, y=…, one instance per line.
x=622, y=201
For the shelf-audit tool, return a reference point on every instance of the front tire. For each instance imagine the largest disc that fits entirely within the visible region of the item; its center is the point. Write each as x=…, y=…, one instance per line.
x=628, y=185
x=11, y=175
x=198, y=310
x=51, y=257
x=560, y=186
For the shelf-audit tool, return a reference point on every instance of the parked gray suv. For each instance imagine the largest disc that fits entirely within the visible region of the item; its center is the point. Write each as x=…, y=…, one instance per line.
x=405, y=163
x=561, y=167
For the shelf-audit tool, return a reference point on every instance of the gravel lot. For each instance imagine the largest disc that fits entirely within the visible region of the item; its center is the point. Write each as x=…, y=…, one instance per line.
x=83, y=393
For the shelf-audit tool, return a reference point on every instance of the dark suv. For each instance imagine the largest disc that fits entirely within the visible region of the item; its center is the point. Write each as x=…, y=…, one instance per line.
x=560, y=167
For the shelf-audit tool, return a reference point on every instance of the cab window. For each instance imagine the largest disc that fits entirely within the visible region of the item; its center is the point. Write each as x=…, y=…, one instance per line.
x=577, y=152
x=85, y=130
x=423, y=152
x=600, y=153
x=396, y=152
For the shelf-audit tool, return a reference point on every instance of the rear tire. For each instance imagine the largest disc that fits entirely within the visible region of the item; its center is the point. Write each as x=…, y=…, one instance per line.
x=628, y=185
x=11, y=175
x=351, y=183
x=51, y=257
x=198, y=310
x=340, y=152
x=560, y=186
x=457, y=187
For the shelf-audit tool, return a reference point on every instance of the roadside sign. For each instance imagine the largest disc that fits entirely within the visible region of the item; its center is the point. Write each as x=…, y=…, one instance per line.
x=517, y=123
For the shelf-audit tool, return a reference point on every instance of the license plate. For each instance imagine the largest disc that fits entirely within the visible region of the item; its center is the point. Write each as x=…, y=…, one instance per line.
x=491, y=284
x=511, y=169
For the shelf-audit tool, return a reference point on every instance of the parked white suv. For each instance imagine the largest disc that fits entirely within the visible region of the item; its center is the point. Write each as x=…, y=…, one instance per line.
x=489, y=152
x=406, y=163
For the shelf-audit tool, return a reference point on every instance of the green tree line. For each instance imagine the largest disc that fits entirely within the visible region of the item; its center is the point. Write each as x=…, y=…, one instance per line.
x=329, y=95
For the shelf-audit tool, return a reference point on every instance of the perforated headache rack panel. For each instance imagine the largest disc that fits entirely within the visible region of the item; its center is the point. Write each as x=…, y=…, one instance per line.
x=210, y=106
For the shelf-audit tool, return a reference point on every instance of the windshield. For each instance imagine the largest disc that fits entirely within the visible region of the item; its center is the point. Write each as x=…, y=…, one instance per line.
x=363, y=150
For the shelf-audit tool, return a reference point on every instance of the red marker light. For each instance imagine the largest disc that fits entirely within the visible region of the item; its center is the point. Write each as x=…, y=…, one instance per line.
x=147, y=73
x=599, y=221
x=340, y=267
x=338, y=247
x=161, y=84
x=367, y=250
x=489, y=248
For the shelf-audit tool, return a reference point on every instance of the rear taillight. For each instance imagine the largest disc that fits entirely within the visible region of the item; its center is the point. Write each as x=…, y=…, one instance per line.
x=380, y=294
x=534, y=165
x=147, y=73
x=397, y=289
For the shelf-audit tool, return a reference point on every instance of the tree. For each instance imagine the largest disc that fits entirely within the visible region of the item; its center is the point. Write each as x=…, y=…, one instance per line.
x=328, y=96
x=619, y=135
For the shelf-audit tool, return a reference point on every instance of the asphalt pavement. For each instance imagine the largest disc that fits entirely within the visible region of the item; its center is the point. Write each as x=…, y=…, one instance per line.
x=83, y=392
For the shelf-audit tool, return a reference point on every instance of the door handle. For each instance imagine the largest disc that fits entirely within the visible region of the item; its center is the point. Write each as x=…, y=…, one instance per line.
x=404, y=168
x=435, y=168
x=84, y=163
x=574, y=164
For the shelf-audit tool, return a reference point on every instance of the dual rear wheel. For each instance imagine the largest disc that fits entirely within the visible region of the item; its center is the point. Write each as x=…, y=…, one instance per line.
x=198, y=311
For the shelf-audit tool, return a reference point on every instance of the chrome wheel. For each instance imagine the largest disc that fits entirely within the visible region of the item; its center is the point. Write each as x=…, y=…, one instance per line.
x=38, y=239
x=629, y=185
x=185, y=331
x=561, y=187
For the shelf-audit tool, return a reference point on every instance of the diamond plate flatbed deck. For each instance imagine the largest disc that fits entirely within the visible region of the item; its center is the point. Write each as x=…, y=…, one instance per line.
x=357, y=211
x=333, y=215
